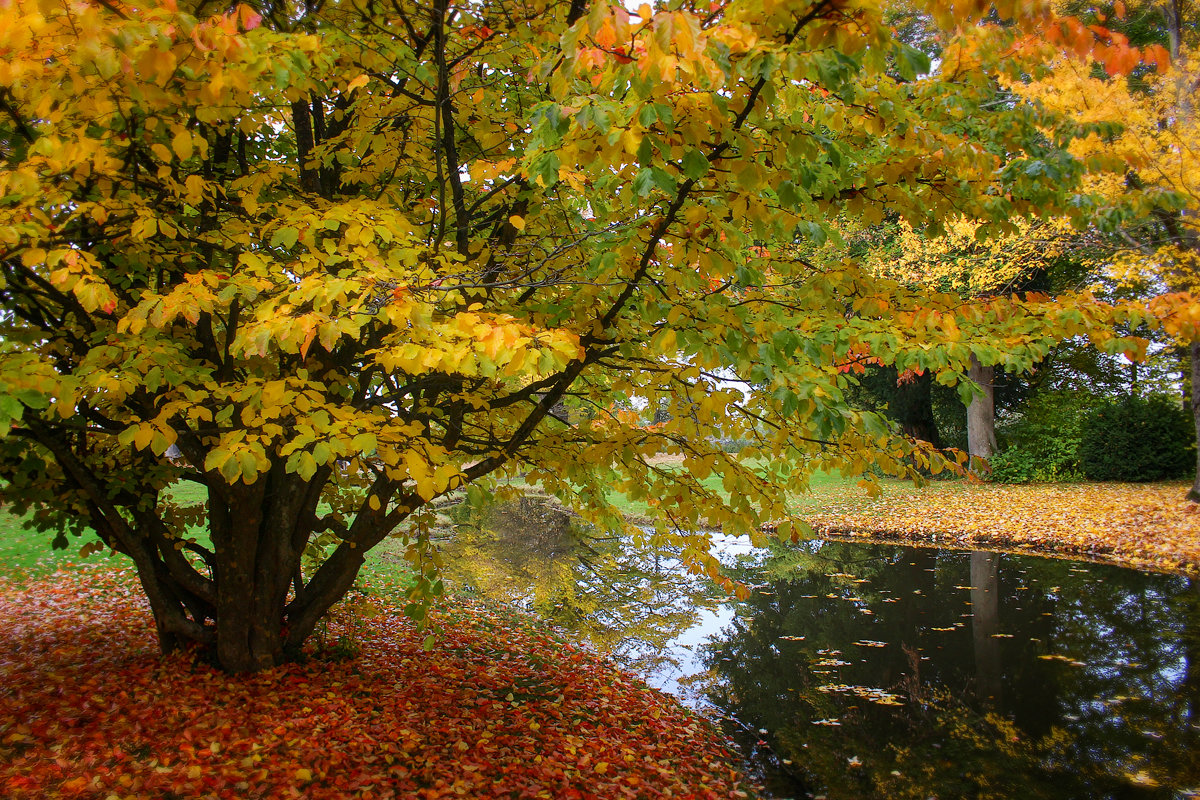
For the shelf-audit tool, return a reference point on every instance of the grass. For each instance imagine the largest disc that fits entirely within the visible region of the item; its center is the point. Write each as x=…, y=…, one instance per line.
x=25, y=553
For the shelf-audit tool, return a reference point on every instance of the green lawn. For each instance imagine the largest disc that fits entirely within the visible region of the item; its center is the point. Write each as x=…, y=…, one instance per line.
x=25, y=553
x=823, y=486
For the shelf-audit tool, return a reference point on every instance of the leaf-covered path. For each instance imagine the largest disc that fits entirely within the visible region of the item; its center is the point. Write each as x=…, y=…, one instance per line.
x=1149, y=526
x=497, y=709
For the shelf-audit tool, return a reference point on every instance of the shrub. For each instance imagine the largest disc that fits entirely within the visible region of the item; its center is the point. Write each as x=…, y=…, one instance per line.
x=1042, y=443
x=1137, y=439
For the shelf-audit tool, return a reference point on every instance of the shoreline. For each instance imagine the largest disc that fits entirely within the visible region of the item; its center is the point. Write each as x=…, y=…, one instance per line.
x=1149, y=527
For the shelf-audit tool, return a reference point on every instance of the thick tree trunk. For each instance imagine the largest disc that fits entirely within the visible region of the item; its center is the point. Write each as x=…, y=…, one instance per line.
x=242, y=615
x=981, y=412
x=1194, y=494
x=912, y=406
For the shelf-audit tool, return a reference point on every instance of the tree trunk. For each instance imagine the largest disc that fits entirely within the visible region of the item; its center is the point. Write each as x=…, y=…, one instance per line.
x=912, y=406
x=981, y=412
x=1194, y=494
x=250, y=612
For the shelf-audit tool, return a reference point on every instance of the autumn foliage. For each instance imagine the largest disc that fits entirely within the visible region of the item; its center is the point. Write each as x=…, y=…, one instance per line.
x=349, y=259
x=498, y=709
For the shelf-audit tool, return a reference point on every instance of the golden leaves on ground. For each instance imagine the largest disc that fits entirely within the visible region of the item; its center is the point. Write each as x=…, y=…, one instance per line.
x=1150, y=526
x=498, y=708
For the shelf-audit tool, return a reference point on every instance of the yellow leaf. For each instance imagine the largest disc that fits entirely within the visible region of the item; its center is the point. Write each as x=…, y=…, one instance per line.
x=361, y=80
x=517, y=222
x=182, y=145
x=303, y=774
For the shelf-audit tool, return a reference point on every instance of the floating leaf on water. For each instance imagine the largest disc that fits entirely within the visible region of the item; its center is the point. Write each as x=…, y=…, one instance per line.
x=877, y=696
x=1002, y=636
x=1141, y=778
x=792, y=638
x=870, y=643
x=831, y=662
x=827, y=722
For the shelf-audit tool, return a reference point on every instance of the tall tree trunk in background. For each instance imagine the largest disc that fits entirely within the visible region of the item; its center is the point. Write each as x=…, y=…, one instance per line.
x=981, y=413
x=912, y=407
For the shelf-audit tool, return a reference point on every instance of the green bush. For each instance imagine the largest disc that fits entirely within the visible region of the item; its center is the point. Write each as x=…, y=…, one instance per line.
x=1042, y=443
x=1022, y=465
x=1137, y=439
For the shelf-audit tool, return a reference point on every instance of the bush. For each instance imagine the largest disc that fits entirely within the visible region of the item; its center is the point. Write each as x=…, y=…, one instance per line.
x=1042, y=443
x=1137, y=439
x=1022, y=465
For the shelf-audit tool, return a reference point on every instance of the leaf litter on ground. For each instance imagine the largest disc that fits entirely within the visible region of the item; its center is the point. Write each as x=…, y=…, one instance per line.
x=498, y=708
x=1148, y=526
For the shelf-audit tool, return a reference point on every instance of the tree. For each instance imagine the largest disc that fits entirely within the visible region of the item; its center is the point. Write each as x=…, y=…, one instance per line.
x=348, y=259
x=962, y=261
x=1152, y=210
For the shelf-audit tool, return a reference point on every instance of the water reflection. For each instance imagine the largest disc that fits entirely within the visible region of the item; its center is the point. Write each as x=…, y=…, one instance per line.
x=621, y=597
x=866, y=671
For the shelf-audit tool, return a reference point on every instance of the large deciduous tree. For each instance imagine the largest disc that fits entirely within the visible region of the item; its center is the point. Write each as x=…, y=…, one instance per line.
x=1153, y=208
x=963, y=262
x=348, y=257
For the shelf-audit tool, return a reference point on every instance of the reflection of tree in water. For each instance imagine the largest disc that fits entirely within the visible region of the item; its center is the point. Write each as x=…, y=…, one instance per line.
x=623, y=599
x=901, y=672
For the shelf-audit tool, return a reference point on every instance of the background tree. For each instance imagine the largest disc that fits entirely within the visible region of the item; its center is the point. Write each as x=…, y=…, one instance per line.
x=1152, y=209
x=350, y=258
x=1036, y=255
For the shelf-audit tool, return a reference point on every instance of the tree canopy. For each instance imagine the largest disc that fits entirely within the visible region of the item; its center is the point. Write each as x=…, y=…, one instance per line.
x=349, y=257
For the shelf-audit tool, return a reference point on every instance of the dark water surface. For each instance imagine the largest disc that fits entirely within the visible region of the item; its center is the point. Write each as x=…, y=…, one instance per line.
x=871, y=671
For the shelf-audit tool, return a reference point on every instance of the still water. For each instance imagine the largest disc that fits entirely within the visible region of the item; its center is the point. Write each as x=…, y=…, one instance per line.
x=871, y=671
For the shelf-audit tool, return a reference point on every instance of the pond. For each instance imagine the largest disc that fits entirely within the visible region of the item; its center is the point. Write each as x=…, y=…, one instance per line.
x=870, y=671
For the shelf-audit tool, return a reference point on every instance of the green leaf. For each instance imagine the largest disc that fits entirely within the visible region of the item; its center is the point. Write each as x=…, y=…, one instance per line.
x=645, y=153
x=788, y=196
x=695, y=164
x=285, y=237
x=231, y=469
x=911, y=62
x=643, y=182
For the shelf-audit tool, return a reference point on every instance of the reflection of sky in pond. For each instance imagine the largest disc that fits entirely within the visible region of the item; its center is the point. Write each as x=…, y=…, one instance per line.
x=864, y=671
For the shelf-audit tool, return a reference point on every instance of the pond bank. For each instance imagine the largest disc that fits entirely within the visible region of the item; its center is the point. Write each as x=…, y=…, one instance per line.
x=1146, y=526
